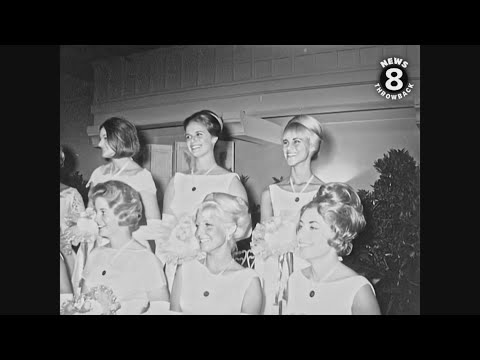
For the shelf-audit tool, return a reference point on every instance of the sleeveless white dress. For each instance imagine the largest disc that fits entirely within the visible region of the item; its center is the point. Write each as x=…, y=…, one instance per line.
x=283, y=204
x=185, y=201
x=329, y=298
x=131, y=276
x=205, y=293
x=141, y=181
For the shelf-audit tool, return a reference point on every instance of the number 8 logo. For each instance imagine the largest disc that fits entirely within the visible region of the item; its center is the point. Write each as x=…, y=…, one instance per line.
x=398, y=72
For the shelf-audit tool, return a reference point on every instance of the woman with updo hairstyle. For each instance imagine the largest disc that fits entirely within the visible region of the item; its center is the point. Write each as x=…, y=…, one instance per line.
x=131, y=270
x=186, y=190
x=217, y=284
x=327, y=226
x=301, y=139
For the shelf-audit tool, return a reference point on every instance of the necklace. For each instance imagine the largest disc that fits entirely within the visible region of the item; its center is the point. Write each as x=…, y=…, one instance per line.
x=297, y=198
x=206, y=292
x=193, y=177
x=323, y=278
x=109, y=265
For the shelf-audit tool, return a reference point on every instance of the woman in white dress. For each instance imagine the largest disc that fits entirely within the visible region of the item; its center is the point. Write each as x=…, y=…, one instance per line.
x=132, y=271
x=218, y=284
x=71, y=205
x=326, y=229
x=185, y=191
x=301, y=140
x=119, y=143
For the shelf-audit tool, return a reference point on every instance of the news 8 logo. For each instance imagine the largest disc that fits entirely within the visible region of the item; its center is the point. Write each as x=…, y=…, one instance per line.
x=393, y=83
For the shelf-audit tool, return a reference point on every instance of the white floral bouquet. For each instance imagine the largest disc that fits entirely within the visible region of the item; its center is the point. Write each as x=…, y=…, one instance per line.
x=99, y=300
x=82, y=228
x=274, y=237
x=175, y=240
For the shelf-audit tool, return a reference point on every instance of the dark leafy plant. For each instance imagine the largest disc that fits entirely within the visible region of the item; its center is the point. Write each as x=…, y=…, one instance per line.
x=387, y=252
x=244, y=245
x=76, y=181
x=276, y=181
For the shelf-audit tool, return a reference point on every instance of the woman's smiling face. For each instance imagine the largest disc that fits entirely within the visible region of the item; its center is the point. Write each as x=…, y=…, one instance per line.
x=212, y=229
x=105, y=218
x=199, y=140
x=296, y=147
x=313, y=235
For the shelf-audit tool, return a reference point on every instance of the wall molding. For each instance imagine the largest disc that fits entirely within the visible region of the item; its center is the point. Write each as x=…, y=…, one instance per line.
x=325, y=87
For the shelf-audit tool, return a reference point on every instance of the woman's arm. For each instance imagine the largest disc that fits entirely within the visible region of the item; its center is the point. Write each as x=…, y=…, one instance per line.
x=253, y=299
x=365, y=302
x=157, y=287
x=266, y=210
x=176, y=290
x=236, y=188
x=150, y=204
x=65, y=285
x=168, y=197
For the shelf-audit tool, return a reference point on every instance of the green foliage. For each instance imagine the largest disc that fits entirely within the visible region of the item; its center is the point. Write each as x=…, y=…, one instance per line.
x=387, y=252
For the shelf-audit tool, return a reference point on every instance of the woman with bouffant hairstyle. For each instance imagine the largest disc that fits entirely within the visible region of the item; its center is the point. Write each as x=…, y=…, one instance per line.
x=218, y=284
x=132, y=271
x=327, y=226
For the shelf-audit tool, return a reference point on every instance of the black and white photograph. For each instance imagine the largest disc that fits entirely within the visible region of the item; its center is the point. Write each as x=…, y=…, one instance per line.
x=239, y=179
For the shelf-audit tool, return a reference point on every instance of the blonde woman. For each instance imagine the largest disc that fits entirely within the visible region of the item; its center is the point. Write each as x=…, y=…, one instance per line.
x=218, y=284
x=301, y=141
x=131, y=270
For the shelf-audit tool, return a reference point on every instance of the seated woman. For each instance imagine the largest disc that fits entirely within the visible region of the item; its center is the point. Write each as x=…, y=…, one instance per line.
x=218, y=284
x=327, y=226
x=126, y=266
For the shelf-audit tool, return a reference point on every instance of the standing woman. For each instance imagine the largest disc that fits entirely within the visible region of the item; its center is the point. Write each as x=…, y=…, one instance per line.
x=301, y=140
x=119, y=144
x=186, y=191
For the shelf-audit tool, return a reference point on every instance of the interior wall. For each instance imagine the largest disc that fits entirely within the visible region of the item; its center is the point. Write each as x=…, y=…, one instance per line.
x=351, y=149
x=75, y=115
